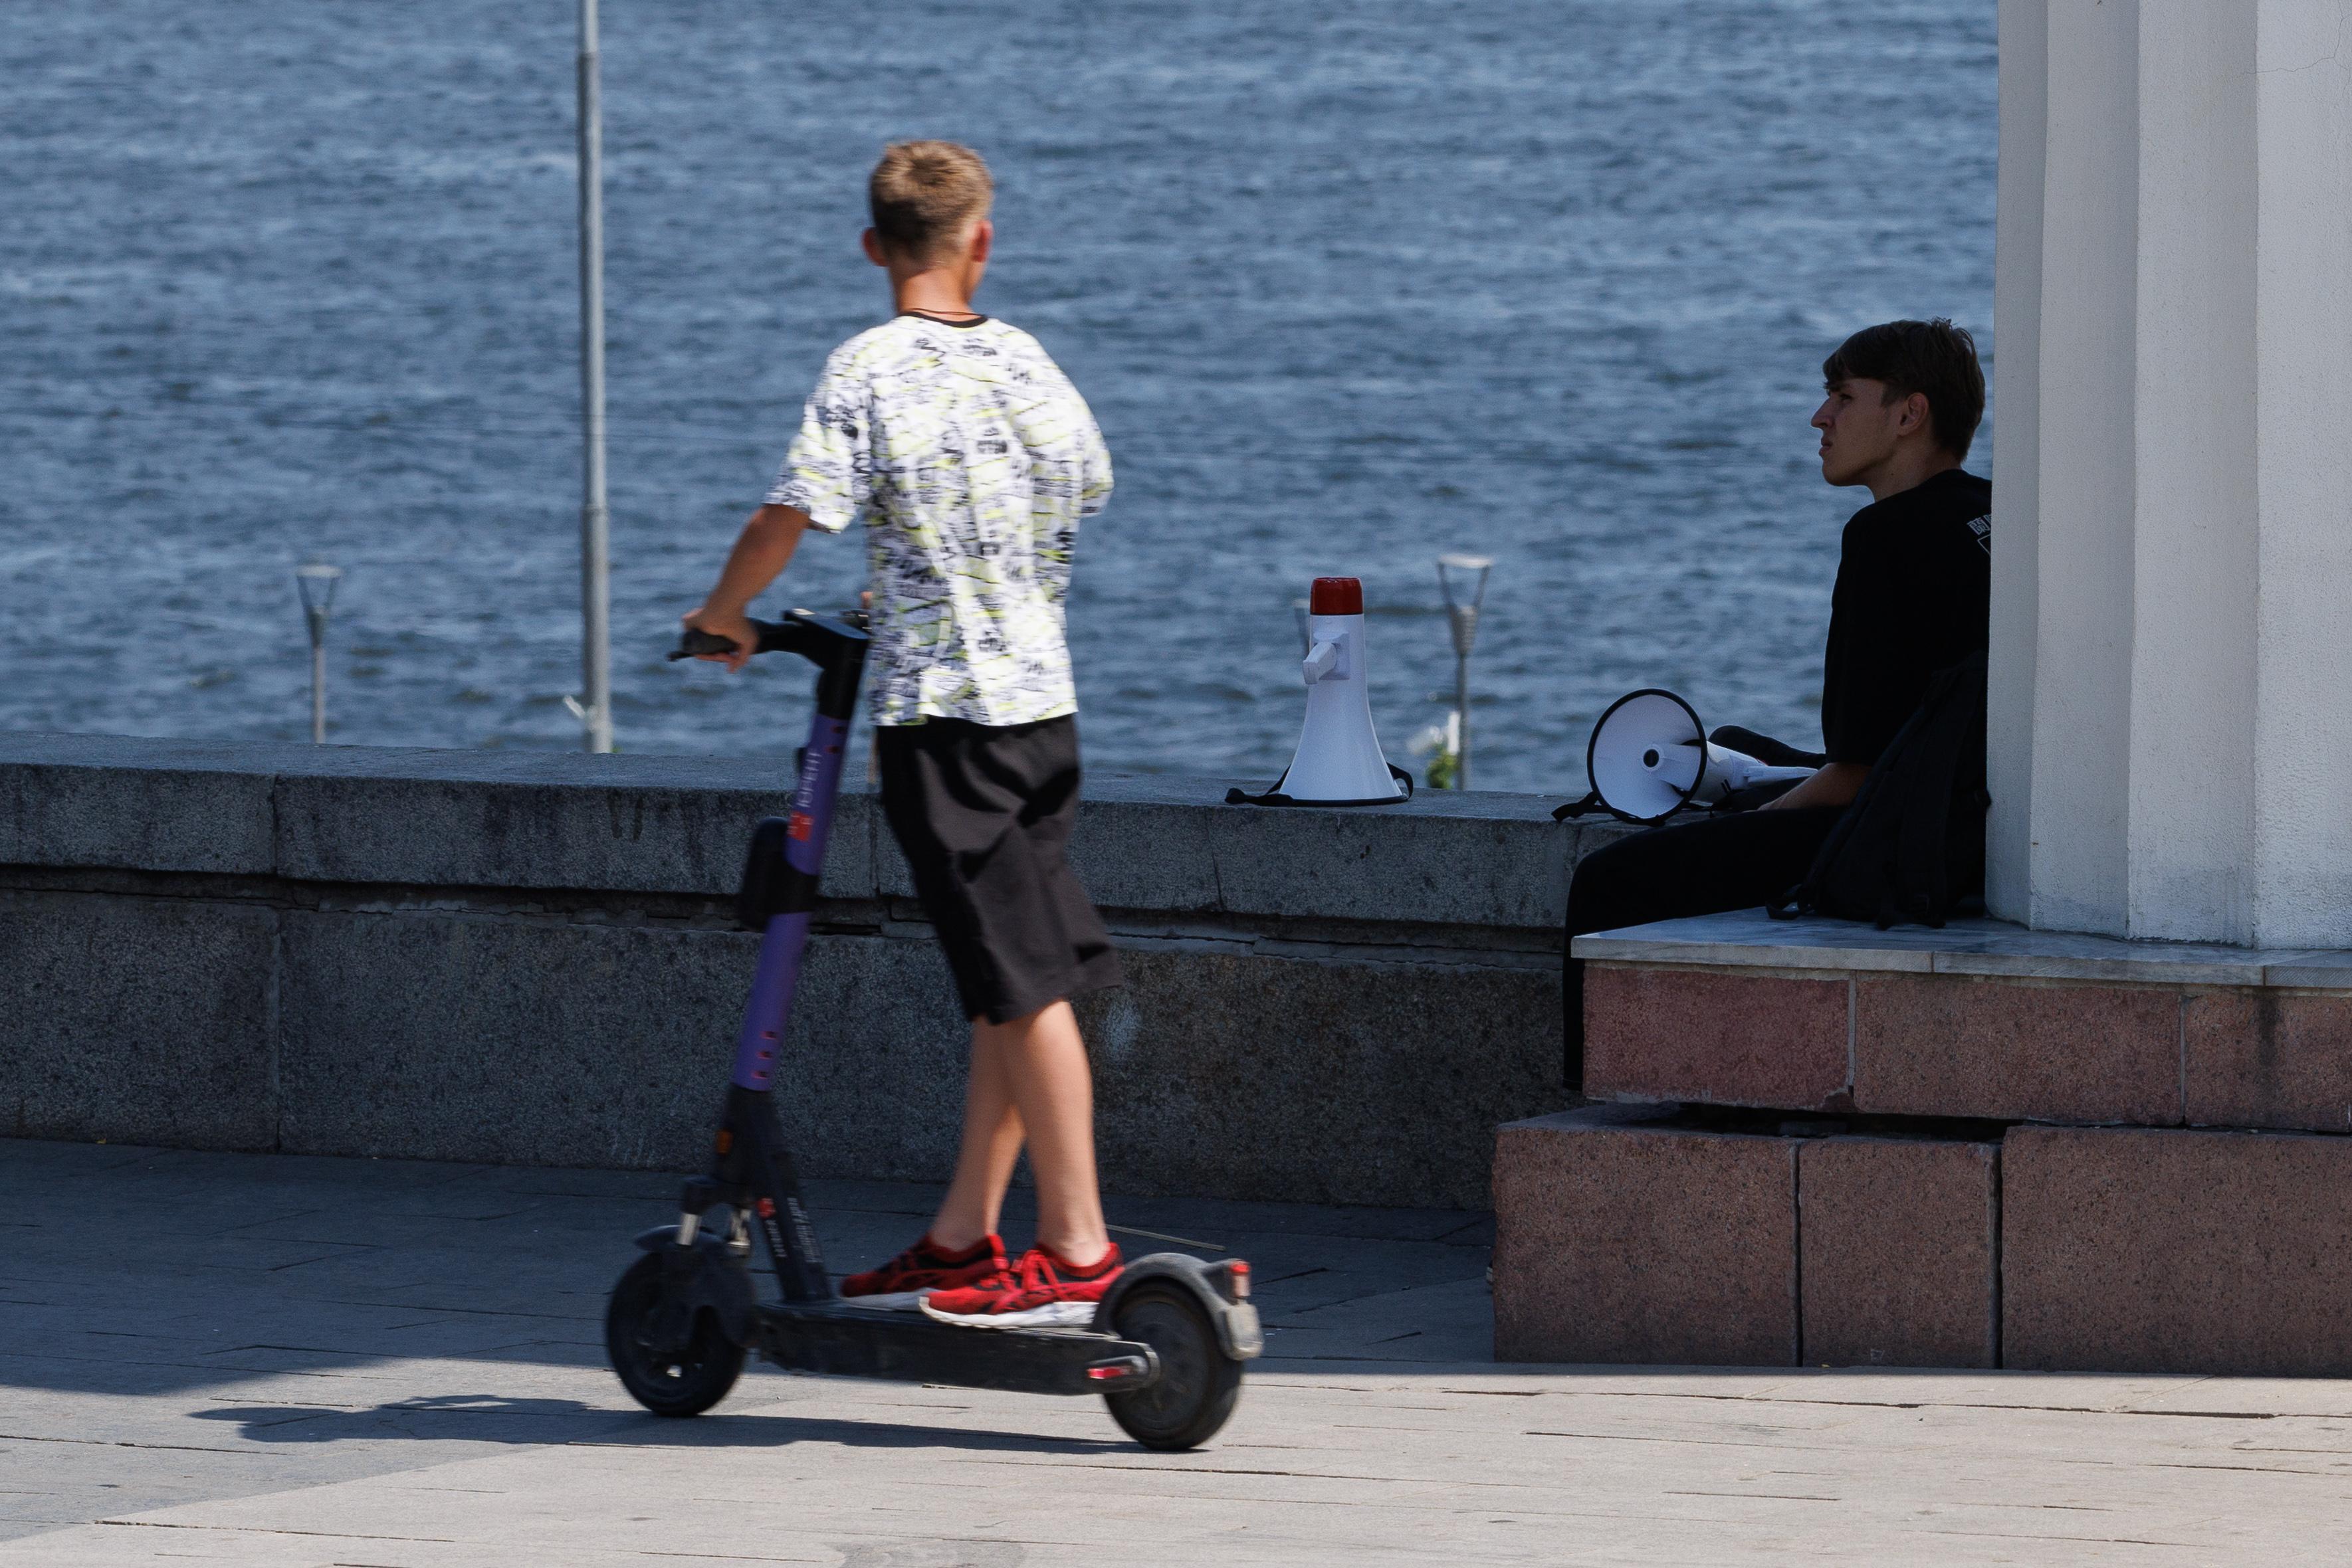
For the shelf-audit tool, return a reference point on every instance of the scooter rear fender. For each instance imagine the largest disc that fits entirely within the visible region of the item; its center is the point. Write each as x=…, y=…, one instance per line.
x=1239, y=1334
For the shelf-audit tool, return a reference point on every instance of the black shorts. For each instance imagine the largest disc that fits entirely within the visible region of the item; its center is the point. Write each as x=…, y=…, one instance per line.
x=982, y=815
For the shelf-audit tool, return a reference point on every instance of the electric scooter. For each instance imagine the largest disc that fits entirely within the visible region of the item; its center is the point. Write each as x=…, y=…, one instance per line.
x=1167, y=1344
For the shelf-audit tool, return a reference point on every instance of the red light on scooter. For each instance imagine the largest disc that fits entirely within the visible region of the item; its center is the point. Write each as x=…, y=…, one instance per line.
x=1117, y=1371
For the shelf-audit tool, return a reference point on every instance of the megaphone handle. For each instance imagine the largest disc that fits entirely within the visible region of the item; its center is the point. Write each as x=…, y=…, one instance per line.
x=1583, y=808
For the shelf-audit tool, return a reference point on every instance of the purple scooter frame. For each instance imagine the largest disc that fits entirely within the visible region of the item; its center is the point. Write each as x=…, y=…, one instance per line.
x=779, y=974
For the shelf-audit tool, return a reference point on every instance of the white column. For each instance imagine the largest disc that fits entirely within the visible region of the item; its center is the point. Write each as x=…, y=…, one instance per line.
x=2171, y=725
x=2303, y=454
x=2024, y=28
x=2081, y=736
x=2190, y=822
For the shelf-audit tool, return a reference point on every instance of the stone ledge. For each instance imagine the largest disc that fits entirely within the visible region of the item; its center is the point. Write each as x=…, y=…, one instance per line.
x=82, y=800
x=465, y=1034
x=2271, y=1059
x=2006, y=1025
x=1718, y=1036
x=1899, y=1252
x=2176, y=1251
x=529, y=959
x=1666, y=1234
x=1623, y=1235
x=149, y=1015
x=1751, y=939
x=1653, y=1235
x=675, y=824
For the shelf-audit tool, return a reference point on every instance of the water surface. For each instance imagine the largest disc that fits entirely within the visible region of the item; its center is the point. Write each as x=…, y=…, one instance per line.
x=1348, y=284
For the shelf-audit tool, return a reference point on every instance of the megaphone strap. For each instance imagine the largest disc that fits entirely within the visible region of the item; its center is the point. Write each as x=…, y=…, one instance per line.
x=1584, y=808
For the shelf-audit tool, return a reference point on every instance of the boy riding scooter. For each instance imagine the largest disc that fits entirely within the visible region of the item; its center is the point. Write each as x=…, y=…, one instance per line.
x=970, y=458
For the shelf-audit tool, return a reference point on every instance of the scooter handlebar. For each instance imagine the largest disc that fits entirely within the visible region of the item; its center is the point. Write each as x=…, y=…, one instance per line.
x=816, y=638
x=771, y=634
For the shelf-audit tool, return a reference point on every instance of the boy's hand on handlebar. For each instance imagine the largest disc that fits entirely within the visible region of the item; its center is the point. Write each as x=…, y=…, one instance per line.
x=762, y=550
x=735, y=628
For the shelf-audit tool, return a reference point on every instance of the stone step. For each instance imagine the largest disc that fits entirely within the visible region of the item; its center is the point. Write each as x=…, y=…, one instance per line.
x=1980, y=1019
x=1663, y=1236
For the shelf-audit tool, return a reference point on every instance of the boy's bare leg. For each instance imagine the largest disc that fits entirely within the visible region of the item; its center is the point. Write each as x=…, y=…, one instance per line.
x=1054, y=1091
x=1029, y=1076
x=991, y=1142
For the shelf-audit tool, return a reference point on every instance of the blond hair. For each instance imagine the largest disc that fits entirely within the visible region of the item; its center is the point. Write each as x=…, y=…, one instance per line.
x=924, y=195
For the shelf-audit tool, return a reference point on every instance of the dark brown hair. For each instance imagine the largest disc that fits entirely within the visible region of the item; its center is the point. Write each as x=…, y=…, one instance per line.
x=1933, y=358
x=924, y=194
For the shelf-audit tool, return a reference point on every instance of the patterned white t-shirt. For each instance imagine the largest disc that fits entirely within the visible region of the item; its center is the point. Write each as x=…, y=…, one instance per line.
x=970, y=458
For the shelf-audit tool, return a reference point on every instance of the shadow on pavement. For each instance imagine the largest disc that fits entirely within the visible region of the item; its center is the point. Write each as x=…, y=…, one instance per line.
x=220, y=1270
x=496, y=1418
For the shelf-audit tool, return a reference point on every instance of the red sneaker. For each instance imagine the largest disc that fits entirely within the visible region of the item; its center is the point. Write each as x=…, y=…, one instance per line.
x=1038, y=1291
x=925, y=1266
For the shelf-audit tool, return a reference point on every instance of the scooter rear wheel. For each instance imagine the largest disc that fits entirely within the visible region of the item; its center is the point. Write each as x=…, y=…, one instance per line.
x=1198, y=1384
x=674, y=1383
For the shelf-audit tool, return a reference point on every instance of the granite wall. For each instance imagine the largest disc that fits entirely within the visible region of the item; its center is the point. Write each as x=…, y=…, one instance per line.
x=530, y=958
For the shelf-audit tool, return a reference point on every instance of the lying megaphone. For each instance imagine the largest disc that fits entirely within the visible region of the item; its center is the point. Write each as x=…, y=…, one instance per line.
x=1339, y=761
x=1650, y=757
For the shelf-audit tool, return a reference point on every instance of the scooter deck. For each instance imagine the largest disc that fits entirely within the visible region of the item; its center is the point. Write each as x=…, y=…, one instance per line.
x=843, y=1341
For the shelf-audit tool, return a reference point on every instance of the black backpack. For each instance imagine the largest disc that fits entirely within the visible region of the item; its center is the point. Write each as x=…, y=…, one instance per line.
x=1912, y=845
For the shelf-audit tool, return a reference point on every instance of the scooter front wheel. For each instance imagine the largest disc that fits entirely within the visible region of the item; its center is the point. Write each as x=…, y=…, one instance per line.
x=683, y=1379
x=1198, y=1383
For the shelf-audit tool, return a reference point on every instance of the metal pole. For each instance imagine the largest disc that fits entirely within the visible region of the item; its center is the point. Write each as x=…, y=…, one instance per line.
x=316, y=583
x=595, y=713
x=1462, y=619
x=1462, y=723
x=319, y=693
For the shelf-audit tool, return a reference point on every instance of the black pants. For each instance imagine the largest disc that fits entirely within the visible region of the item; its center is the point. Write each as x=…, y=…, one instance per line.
x=1707, y=866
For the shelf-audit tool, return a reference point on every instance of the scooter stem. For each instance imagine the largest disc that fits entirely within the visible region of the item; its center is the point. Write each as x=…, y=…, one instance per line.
x=770, y=1009
x=838, y=650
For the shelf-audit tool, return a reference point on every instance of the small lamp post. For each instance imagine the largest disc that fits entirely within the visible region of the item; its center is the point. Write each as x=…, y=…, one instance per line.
x=316, y=582
x=1461, y=618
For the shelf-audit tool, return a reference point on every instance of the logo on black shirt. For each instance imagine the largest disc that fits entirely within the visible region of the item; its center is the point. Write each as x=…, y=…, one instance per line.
x=1982, y=528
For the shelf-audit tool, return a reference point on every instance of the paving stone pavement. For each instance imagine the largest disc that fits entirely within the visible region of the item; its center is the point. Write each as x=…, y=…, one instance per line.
x=285, y=1361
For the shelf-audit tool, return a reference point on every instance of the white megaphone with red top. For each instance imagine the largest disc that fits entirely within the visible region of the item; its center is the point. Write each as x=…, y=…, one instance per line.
x=1339, y=761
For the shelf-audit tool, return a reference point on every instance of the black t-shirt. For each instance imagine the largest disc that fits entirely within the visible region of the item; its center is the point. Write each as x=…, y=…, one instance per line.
x=1914, y=594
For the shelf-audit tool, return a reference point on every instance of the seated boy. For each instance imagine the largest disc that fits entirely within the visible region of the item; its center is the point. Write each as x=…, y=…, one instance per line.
x=970, y=458
x=1913, y=595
